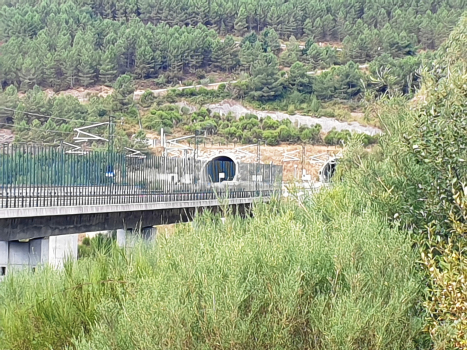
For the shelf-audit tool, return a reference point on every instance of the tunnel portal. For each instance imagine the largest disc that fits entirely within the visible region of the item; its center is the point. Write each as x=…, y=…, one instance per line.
x=220, y=169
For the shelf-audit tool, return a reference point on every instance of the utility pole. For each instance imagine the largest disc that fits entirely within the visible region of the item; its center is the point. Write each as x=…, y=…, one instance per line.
x=258, y=151
x=303, y=159
x=195, y=155
x=110, y=151
x=258, y=161
x=111, y=135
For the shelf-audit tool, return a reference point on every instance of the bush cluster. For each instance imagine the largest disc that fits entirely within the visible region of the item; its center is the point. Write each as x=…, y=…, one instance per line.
x=246, y=129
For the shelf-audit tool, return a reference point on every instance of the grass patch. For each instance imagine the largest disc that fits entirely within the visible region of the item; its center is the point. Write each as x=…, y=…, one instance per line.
x=324, y=273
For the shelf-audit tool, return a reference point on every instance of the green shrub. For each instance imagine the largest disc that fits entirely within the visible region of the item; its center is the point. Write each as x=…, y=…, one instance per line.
x=329, y=113
x=200, y=74
x=147, y=99
x=314, y=104
x=335, y=137
x=246, y=137
x=341, y=114
x=100, y=244
x=221, y=88
x=284, y=133
x=310, y=135
x=184, y=110
x=204, y=81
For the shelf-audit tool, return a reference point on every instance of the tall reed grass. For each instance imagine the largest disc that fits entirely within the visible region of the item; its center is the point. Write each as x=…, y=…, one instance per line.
x=326, y=272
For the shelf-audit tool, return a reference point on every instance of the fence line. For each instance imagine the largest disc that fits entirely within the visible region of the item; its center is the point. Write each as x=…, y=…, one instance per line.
x=38, y=176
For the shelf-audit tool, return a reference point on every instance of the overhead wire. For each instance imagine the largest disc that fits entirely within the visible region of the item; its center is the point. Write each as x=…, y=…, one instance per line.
x=51, y=117
x=116, y=137
x=32, y=128
x=47, y=116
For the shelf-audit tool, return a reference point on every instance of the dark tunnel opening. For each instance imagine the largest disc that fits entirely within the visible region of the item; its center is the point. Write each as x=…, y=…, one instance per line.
x=328, y=170
x=220, y=169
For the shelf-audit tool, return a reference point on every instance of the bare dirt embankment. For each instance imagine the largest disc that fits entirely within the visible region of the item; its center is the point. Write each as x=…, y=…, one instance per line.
x=81, y=93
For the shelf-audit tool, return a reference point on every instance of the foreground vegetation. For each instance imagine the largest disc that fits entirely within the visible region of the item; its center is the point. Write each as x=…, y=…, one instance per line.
x=322, y=274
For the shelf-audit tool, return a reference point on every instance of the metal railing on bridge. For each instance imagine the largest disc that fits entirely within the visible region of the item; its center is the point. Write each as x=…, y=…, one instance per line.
x=37, y=176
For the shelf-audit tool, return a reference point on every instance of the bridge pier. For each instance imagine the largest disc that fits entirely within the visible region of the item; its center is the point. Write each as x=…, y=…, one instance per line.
x=121, y=237
x=17, y=255
x=149, y=233
x=126, y=237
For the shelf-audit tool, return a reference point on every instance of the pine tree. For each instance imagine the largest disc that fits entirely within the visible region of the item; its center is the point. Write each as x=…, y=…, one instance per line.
x=313, y=56
x=292, y=54
x=266, y=83
x=289, y=27
x=87, y=66
x=309, y=29
x=328, y=28
x=328, y=57
x=426, y=34
x=340, y=28
x=252, y=38
x=70, y=68
x=381, y=19
x=49, y=77
x=308, y=44
x=298, y=79
x=8, y=99
x=62, y=49
x=318, y=30
x=144, y=64
x=249, y=54
x=108, y=68
x=348, y=81
x=218, y=54
x=270, y=41
x=28, y=74
x=241, y=25
x=274, y=19
x=37, y=101
x=225, y=54
x=122, y=96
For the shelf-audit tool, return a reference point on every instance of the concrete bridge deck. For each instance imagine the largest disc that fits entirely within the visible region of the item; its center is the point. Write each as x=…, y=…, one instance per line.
x=29, y=223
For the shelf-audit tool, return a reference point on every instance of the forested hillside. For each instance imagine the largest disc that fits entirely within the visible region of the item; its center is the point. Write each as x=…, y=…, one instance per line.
x=63, y=44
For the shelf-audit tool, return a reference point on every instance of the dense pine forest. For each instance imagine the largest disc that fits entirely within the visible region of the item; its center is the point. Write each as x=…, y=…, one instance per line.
x=315, y=58
x=63, y=44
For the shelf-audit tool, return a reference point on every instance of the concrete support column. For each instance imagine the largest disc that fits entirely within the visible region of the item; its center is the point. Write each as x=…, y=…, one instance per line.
x=17, y=255
x=128, y=238
x=149, y=233
x=39, y=251
x=3, y=258
x=61, y=248
x=121, y=238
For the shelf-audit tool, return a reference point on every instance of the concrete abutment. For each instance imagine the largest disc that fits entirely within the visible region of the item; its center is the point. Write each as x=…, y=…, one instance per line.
x=18, y=255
